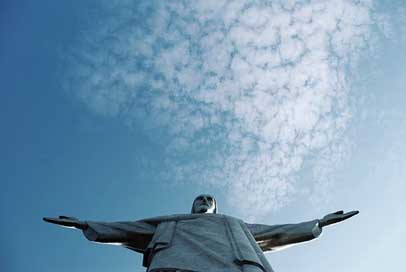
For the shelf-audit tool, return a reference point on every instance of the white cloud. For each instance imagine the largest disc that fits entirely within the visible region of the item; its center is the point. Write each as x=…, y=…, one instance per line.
x=258, y=85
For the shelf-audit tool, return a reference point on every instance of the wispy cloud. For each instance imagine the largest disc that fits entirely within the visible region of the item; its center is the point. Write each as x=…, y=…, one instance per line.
x=248, y=90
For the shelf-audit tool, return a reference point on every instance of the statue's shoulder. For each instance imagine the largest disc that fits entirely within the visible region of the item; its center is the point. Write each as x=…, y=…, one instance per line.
x=180, y=217
x=167, y=218
x=229, y=217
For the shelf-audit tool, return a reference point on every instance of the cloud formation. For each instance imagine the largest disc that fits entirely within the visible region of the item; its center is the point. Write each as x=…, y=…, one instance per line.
x=247, y=90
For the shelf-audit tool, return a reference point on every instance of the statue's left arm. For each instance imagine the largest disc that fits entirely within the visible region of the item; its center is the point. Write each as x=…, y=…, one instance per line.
x=134, y=235
x=279, y=236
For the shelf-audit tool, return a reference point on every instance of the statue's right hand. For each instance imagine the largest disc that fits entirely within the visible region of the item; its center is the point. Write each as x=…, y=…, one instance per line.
x=68, y=222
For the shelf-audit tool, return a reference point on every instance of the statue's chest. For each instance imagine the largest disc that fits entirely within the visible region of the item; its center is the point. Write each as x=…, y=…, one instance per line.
x=207, y=243
x=209, y=235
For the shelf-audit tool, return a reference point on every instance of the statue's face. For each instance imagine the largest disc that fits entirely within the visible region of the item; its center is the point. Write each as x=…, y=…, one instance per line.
x=204, y=204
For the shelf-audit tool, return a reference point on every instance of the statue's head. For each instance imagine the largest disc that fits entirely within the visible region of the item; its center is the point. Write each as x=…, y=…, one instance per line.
x=204, y=204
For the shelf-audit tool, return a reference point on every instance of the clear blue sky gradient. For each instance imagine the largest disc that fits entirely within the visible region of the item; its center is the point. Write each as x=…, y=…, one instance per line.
x=59, y=158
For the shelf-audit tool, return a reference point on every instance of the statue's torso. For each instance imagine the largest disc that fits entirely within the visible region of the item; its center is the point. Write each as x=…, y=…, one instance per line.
x=208, y=242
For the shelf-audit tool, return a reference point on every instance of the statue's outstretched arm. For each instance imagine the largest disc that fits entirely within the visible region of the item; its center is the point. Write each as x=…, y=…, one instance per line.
x=134, y=235
x=280, y=236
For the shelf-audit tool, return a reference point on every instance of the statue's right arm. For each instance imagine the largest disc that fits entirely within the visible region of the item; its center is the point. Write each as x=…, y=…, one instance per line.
x=276, y=237
x=279, y=236
x=134, y=235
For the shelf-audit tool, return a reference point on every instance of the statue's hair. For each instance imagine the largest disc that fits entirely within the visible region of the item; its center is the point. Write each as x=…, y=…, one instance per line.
x=214, y=200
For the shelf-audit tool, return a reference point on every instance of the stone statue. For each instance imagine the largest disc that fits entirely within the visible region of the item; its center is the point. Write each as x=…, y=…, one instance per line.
x=203, y=240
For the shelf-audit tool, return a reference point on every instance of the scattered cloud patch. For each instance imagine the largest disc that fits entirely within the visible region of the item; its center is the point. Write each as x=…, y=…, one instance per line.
x=246, y=90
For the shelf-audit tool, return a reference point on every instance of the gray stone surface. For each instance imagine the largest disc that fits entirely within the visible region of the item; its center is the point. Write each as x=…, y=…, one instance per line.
x=203, y=240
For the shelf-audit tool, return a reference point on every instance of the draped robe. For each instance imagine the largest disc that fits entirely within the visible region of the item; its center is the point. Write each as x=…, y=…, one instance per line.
x=201, y=242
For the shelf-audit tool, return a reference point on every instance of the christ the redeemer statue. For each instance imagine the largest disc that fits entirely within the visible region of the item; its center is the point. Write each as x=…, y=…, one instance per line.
x=203, y=241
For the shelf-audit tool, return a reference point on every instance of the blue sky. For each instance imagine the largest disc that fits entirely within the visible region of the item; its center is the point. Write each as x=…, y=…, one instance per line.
x=124, y=111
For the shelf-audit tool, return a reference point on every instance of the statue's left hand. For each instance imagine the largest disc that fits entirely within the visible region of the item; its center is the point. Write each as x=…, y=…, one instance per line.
x=335, y=217
x=65, y=221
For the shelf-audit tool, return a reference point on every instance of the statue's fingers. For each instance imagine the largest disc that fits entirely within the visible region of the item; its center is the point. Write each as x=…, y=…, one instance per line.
x=62, y=222
x=68, y=218
x=53, y=220
x=339, y=212
x=68, y=222
x=350, y=214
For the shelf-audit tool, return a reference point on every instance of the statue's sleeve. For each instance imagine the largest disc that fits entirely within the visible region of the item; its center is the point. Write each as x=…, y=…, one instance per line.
x=279, y=236
x=133, y=235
